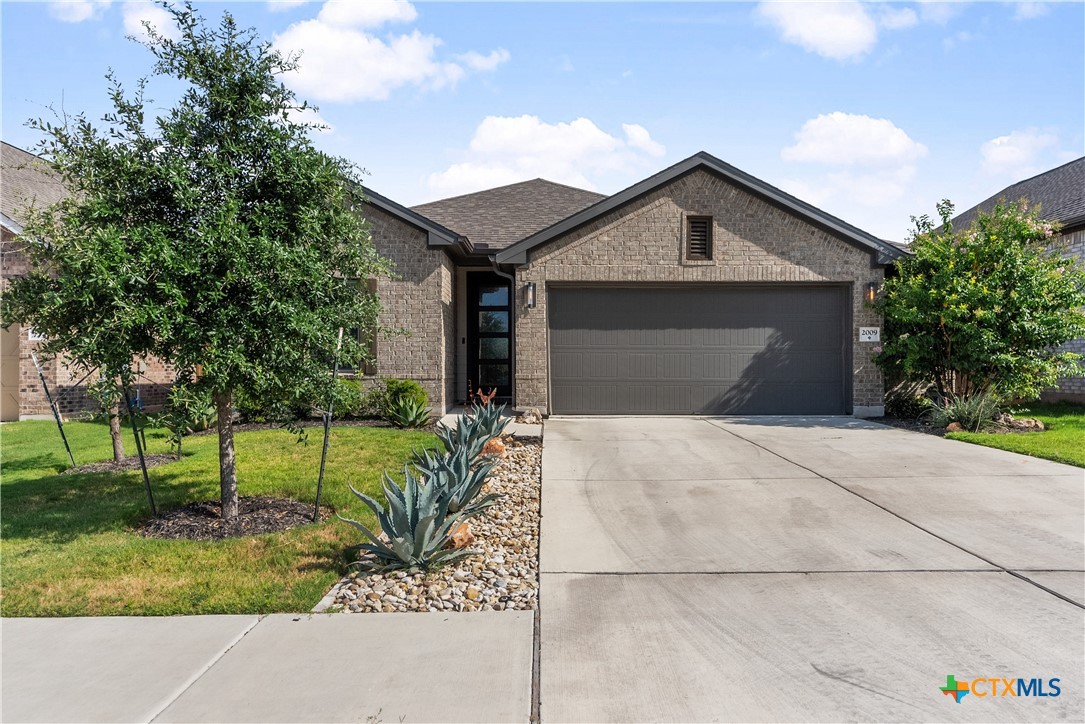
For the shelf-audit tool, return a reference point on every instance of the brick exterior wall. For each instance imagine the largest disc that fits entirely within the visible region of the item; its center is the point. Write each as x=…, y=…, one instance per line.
x=753, y=241
x=420, y=301
x=67, y=383
x=1072, y=388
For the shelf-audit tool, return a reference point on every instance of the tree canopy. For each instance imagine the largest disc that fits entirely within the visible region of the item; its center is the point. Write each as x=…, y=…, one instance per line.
x=214, y=235
x=985, y=308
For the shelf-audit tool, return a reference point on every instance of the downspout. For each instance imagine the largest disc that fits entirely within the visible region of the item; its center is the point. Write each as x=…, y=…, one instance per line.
x=514, y=308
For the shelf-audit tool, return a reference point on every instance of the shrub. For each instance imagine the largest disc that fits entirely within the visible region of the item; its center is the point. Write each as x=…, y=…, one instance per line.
x=395, y=388
x=281, y=407
x=973, y=412
x=907, y=406
x=349, y=397
x=417, y=526
x=986, y=307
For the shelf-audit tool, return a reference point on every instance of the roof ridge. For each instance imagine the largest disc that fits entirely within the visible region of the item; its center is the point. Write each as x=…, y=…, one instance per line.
x=507, y=186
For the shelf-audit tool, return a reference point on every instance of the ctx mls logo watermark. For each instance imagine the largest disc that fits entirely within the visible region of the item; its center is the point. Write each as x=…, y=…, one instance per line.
x=999, y=686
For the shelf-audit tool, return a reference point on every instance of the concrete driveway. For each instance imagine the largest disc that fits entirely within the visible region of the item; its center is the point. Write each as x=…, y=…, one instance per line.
x=786, y=569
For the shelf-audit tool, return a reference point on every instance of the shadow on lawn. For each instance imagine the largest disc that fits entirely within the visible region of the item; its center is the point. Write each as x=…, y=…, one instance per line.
x=60, y=508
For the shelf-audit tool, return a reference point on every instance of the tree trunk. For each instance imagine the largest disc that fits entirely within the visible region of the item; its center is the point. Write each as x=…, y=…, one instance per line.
x=114, y=413
x=224, y=404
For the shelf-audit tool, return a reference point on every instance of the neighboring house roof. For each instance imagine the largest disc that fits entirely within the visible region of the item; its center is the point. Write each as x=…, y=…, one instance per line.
x=25, y=181
x=883, y=251
x=437, y=235
x=494, y=219
x=1060, y=193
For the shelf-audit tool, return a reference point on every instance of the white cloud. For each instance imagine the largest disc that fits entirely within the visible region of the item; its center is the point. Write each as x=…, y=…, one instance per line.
x=636, y=136
x=1029, y=10
x=847, y=139
x=311, y=116
x=76, y=11
x=477, y=61
x=137, y=12
x=837, y=30
x=505, y=150
x=280, y=6
x=896, y=18
x=366, y=13
x=940, y=13
x=864, y=169
x=342, y=62
x=1020, y=154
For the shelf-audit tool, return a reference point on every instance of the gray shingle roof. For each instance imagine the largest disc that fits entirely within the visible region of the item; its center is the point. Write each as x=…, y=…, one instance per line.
x=496, y=218
x=25, y=181
x=1060, y=193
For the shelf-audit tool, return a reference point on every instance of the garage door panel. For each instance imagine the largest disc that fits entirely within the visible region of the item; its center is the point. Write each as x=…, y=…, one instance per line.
x=726, y=349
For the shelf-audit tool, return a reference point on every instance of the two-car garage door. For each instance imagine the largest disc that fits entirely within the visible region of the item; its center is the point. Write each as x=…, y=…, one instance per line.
x=724, y=349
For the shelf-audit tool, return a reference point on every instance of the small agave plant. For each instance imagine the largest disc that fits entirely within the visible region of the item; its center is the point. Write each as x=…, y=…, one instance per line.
x=464, y=436
x=458, y=482
x=490, y=420
x=417, y=524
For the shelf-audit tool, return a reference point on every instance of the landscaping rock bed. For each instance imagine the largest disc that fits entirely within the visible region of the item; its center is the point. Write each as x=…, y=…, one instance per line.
x=504, y=574
x=129, y=463
x=256, y=515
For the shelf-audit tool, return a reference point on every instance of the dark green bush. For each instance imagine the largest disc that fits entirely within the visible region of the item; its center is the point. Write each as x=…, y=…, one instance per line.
x=395, y=389
x=906, y=406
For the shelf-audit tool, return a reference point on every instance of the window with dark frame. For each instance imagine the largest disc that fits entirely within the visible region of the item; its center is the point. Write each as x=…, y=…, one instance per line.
x=366, y=338
x=698, y=238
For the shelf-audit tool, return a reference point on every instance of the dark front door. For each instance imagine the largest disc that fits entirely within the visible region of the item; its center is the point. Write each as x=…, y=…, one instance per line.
x=489, y=334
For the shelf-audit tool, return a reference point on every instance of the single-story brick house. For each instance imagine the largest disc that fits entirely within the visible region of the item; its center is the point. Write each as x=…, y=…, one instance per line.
x=700, y=289
x=26, y=182
x=1060, y=194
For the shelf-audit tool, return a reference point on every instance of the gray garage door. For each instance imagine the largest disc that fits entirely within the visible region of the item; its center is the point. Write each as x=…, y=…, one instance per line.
x=768, y=350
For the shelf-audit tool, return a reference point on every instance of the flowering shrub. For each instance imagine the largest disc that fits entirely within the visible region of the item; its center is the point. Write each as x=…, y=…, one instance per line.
x=984, y=308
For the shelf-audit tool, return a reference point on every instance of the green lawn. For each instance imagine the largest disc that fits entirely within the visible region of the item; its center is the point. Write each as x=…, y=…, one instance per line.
x=68, y=546
x=1062, y=441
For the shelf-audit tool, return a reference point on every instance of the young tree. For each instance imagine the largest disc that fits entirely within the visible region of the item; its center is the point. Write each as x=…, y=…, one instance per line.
x=985, y=308
x=215, y=236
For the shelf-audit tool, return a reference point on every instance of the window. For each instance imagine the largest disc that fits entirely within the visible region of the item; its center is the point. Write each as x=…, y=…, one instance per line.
x=367, y=338
x=699, y=238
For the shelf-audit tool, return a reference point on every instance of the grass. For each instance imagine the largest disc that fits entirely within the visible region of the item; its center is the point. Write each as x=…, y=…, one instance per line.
x=69, y=549
x=1063, y=440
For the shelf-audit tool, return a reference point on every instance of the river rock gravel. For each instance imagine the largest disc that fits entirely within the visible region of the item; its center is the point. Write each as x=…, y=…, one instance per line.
x=503, y=575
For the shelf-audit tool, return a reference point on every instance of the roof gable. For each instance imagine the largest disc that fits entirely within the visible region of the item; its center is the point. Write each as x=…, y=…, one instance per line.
x=882, y=251
x=437, y=235
x=1060, y=193
x=496, y=218
x=27, y=181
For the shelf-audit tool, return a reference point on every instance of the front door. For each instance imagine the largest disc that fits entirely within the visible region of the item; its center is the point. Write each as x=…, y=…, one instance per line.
x=489, y=334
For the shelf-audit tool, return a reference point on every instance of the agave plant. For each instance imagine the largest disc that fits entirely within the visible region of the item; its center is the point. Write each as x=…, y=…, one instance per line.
x=417, y=525
x=490, y=420
x=457, y=481
x=464, y=436
x=408, y=412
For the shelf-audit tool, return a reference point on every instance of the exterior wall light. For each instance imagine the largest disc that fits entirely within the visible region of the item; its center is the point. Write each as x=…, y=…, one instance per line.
x=871, y=292
x=529, y=295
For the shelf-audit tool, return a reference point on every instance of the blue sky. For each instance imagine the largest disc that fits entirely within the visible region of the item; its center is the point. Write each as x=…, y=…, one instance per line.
x=872, y=111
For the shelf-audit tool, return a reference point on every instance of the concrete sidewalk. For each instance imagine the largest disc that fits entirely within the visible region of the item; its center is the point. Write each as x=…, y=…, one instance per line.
x=406, y=667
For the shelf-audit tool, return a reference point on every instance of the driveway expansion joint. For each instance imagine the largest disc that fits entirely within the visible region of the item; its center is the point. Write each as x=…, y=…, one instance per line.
x=1002, y=568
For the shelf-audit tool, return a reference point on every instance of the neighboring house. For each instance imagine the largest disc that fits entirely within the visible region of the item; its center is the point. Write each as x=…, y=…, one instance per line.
x=698, y=290
x=25, y=182
x=1060, y=194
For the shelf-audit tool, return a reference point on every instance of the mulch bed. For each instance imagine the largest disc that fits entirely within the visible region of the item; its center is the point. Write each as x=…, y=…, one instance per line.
x=913, y=425
x=256, y=515
x=129, y=463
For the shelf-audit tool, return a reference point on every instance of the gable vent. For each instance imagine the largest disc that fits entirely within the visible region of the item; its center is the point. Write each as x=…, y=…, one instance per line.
x=699, y=238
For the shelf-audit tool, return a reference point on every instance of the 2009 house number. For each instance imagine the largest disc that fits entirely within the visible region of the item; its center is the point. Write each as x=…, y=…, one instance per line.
x=870, y=334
